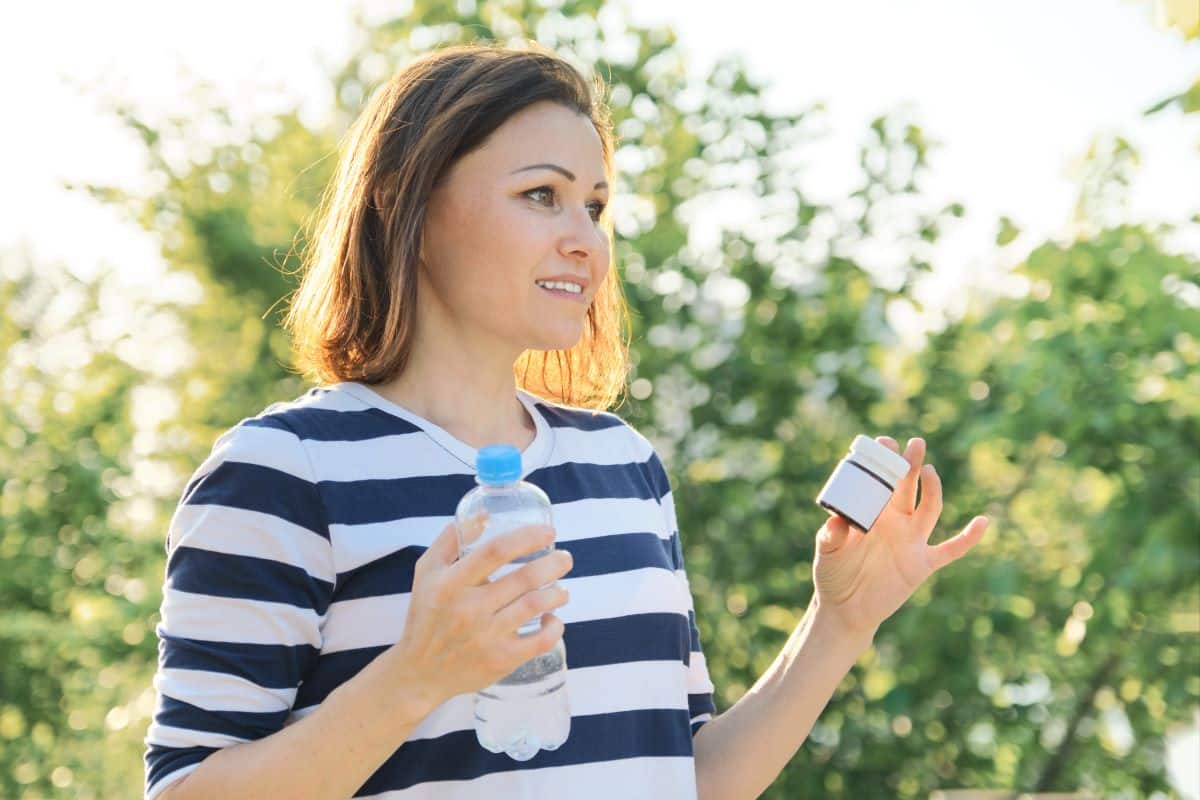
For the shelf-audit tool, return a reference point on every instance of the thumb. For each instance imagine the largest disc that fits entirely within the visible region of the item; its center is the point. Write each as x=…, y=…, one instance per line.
x=833, y=534
x=445, y=549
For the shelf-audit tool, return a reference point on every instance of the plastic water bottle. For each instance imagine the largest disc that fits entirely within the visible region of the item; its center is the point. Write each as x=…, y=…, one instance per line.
x=526, y=710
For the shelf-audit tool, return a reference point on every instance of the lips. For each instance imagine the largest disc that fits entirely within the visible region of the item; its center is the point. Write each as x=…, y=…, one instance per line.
x=565, y=295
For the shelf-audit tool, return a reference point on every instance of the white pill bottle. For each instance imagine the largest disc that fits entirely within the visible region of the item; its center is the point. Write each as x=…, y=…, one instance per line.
x=863, y=482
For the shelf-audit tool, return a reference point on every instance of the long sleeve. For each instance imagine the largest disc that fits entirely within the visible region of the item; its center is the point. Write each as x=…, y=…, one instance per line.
x=700, y=687
x=248, y=582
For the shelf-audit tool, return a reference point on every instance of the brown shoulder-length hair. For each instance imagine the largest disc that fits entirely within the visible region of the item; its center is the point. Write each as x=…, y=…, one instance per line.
x=352, y=316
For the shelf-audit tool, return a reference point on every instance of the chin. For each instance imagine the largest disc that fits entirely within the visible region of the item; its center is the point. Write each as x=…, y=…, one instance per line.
x=562, y=339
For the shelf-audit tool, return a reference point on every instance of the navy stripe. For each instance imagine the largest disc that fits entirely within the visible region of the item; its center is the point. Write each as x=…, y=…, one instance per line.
x=594, y=643
x=243, y=724
x=190, y=569
x=273, y=666
x=701, y=704
x=676, y=551
x=877, y=477
x=657, y=475
x=386, y=499
x=696, y=726
x=253, y=487
x=326, y=425
x=372, y=501
x=601, y=555
x=695, y=632
x=457, y=756
x=390, y=574
x=581, y=419
x=162, y=761
x=605, y=555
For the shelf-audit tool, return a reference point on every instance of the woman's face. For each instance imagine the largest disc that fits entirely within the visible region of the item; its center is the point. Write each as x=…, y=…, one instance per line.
x=498, y=223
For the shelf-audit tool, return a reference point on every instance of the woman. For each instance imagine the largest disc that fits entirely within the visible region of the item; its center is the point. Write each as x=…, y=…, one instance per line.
x=319, y=636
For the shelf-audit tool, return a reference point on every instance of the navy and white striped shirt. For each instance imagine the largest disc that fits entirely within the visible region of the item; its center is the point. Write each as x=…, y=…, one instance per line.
x=290, y=565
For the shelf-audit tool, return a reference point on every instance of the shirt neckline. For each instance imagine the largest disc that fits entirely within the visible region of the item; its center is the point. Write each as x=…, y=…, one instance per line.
x=535, y=455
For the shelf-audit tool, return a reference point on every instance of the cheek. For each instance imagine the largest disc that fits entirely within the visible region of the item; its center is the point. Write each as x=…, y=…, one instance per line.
x=491, y=261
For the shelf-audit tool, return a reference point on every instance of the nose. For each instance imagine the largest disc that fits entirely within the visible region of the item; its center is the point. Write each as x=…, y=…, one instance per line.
x=584, y=238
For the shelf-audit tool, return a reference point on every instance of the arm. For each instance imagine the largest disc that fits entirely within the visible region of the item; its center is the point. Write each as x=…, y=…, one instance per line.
x=249, y=580
x=328, y=754
x=859, y=581
x=741, y=751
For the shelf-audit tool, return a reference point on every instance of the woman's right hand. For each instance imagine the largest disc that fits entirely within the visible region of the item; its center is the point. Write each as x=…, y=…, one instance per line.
x=460, y=634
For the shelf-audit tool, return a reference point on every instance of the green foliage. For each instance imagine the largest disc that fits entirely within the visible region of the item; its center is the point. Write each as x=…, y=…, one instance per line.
x=761, y=346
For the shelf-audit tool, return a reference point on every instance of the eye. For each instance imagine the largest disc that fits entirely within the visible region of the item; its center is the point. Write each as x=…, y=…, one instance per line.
x=597, y=205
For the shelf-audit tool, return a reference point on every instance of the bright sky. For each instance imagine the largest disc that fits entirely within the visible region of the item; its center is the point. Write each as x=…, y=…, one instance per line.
x=1013, y=90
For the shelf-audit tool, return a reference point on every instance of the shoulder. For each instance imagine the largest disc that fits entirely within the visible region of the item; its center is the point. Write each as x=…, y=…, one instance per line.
x=272, y=438
x=268, y=450
x=258, y=466
x=321, y=415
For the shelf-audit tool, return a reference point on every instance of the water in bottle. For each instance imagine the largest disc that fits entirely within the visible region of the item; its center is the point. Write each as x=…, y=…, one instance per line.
x=527, y=710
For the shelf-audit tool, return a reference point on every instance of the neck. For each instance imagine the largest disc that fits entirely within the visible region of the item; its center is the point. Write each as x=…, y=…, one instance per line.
x=473, y=398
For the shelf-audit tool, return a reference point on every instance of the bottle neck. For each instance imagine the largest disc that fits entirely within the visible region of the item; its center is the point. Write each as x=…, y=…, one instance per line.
x=496, y=487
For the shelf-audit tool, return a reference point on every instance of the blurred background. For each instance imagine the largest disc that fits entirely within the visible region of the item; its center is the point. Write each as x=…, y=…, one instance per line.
x=975, y=223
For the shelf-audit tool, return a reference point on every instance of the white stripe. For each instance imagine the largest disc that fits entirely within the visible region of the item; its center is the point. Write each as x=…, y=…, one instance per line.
x=608, y=689
x=357, y=545
x=239, y=532
x=668, y=510
x=375, y=459
x=221, y=691
x=379, y=621
x=647, y=778
x=687, y=590
x=605, y=447
x=266, y=447
x=299, y=714
x=698, y=681
x=237, y=620
x=322, y=398
x=168, y=736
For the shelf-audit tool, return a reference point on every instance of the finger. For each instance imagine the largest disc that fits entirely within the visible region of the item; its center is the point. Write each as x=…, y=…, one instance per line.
x=889, y=443
x=905, y=497
x=931, y=499
x=448, y=545
x=534, y=575
x=531, y=605
x=477, y=567
x=833, y=534
x=955, y=548
x=540, y=641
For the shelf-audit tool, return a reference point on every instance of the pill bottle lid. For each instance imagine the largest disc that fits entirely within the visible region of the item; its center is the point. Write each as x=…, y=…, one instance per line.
x=498, y=464
x=888, y=462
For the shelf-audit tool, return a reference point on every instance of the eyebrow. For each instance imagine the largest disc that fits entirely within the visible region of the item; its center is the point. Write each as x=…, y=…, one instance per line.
x=561, y=170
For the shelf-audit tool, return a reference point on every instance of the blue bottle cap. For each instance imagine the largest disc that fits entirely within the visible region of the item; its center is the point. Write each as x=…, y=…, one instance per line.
x=498, y=464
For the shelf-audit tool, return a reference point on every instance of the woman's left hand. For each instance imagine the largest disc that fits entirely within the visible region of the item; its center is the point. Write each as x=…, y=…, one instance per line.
x=861, y=579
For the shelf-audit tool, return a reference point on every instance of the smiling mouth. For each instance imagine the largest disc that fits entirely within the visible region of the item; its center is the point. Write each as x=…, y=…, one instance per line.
x=577, y=297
